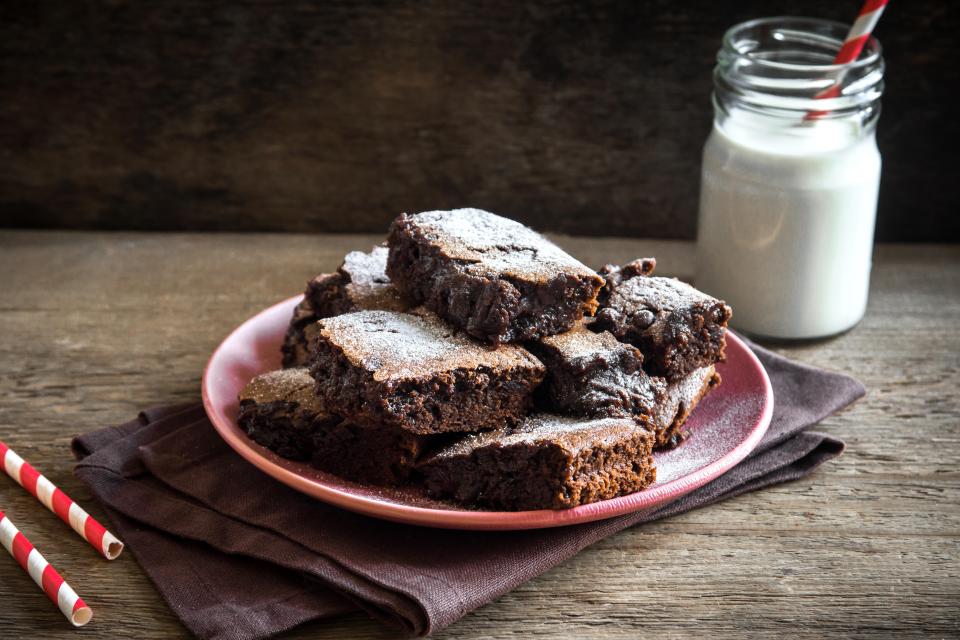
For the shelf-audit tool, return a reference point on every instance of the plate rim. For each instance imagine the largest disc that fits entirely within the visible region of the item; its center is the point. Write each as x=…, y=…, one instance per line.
x=480, y=520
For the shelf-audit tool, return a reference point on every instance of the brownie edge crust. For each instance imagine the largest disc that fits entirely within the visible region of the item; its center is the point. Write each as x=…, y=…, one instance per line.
x=490, y=276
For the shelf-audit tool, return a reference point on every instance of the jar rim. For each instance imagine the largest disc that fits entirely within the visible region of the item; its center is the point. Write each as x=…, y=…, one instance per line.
x=872, y=47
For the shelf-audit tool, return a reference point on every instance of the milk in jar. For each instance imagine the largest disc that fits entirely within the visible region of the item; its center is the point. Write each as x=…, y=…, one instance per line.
x=788, y=199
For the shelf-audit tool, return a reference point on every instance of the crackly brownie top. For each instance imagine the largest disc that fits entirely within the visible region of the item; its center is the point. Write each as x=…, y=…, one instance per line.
x=395, y=345
x=571, y=434
x=285, y=385
x=492, y=243
x=580, y=347
x=645, y=300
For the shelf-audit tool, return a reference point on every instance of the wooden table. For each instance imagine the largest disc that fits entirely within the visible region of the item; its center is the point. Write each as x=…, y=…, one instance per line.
x=98, y=325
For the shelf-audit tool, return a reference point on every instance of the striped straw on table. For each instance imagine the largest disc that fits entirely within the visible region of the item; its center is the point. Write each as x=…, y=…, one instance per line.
x=60, y=503
x=856, y=38
x=43, y=573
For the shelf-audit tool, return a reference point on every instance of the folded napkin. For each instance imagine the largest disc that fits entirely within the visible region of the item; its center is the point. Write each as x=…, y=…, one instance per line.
x=237, y=555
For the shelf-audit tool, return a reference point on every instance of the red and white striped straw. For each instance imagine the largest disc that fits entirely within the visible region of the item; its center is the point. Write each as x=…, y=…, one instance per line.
x=857, y=37
x=43, y=573
x=60, y=503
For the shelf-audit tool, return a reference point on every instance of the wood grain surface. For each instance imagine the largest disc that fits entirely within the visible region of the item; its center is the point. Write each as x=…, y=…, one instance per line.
x=583, y=117
x=94, y=326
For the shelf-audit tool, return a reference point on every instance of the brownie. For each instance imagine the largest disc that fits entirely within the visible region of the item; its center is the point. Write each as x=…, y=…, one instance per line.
x=280, y=411
x=680, y=399
x=594, y=375
x=545, y=462
x=413, y=371
x=677, y=328
x=359, y=283
x=492, y=277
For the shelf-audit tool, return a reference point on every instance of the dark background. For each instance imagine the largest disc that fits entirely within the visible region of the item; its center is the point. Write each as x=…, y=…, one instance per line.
x=581, y=117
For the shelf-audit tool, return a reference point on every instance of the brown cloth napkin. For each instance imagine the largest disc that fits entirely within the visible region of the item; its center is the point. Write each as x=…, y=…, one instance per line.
x=237, y=555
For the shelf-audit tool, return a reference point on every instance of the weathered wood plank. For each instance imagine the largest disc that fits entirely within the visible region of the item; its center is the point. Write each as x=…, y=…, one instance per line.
x=578, y=117
x=94, y=326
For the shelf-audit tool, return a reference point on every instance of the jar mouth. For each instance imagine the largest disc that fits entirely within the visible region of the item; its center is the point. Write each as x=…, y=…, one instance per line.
x=817, y=41
x=783, y=67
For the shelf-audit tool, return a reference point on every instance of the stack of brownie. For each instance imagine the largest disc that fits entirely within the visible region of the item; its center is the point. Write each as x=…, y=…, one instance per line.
x=474, y=358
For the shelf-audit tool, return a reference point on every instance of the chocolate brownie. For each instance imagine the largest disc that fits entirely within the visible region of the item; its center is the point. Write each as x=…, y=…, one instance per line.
x=592, y=374
x=412, y=371
x=280, y=411
x=677, y=328
x=492, y=277
x=545, y=462
x=680, y=399
x=359, y=283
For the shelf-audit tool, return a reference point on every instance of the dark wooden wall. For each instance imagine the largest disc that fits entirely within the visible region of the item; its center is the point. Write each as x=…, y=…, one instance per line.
x=582, y=117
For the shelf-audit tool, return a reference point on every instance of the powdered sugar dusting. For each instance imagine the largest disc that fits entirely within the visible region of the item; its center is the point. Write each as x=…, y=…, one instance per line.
x=367, y=268
x=580, y=344
x=497, y=244
x=660, y=294
x=367, y=285
x=400, y=345
x=284, y=385
x=717, y=426
x=571, y=433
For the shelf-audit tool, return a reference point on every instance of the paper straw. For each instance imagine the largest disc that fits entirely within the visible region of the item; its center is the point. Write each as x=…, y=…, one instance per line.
x=43, y=573
x=857, y=37
x=60, y=503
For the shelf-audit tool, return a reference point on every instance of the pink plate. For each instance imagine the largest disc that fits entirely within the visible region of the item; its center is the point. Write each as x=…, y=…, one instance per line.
x=725, y=428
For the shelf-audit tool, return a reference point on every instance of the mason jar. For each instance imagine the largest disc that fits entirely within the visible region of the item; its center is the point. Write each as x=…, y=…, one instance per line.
x=789, y=183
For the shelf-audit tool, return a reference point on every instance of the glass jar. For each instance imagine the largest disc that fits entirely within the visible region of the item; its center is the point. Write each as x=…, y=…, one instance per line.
x=789, y=182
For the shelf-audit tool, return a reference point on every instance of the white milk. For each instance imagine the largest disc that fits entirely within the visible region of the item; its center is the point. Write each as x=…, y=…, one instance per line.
x=786, y=223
